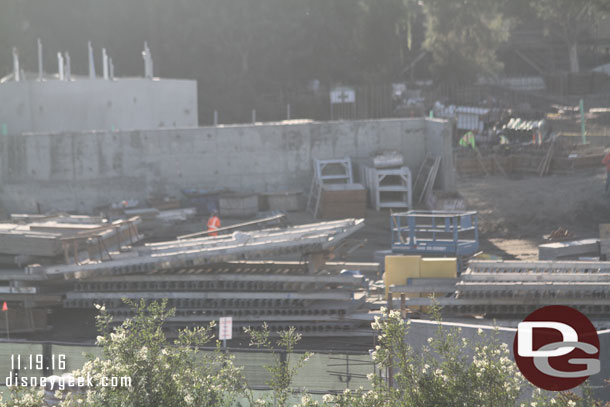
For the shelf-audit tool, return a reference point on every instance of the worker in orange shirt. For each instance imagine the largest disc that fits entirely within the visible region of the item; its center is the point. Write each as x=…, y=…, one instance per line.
x=213, y=223
x=606, y=161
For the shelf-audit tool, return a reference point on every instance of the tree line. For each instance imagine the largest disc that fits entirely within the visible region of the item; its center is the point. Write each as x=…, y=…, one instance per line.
x=241, y=50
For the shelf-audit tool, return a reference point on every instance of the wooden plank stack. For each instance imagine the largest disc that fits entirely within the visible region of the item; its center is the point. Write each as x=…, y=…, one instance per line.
x=342, y=201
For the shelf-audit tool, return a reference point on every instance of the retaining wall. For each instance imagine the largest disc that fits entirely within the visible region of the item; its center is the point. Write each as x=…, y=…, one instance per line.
x=78, y=171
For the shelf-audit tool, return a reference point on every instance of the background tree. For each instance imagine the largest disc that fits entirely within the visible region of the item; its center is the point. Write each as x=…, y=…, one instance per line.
x=571, y=20
x=463, y=37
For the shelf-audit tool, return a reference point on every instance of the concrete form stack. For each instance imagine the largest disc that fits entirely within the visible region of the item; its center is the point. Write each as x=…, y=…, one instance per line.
x=516, y=288
x=279, y=294
x=205, y=278
x=388, y=187
x=388, y=181
x=44, y=240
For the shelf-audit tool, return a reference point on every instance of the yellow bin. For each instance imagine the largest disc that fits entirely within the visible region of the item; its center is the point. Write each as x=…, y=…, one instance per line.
x=398, y=269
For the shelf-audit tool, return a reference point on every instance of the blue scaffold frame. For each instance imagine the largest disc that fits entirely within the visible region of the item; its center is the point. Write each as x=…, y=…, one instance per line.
x=436, y=233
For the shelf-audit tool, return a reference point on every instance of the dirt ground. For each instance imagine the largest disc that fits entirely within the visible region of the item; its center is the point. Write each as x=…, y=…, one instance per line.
x=514, y=213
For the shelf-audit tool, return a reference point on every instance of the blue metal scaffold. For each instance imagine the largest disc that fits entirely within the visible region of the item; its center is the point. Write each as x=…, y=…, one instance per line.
x=435, y=233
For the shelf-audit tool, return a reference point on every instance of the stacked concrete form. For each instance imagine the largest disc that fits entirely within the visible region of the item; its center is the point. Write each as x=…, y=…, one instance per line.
x=280, y=294
x=516, y=288
x=205, y=278
x=154, y=257
x=388, y=187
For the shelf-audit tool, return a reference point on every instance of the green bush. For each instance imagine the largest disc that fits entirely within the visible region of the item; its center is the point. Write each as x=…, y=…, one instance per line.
x=448, y=371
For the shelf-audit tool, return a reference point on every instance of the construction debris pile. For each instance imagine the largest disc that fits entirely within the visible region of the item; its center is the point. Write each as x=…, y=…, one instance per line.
x=558, y=156
x=48, y=239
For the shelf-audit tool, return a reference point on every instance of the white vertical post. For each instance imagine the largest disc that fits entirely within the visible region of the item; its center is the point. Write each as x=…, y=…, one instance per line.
x=288, y=112
x=60, y=66
x=68, y=70
x=215, y=117
x=40, y=60
x=16, y=74
x=111, y=67
x=104, y=64
x=253, y=116
x=148, y=62
x=91, y=62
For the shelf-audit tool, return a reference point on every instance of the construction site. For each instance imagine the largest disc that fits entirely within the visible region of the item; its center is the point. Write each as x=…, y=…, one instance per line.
x=108, y=197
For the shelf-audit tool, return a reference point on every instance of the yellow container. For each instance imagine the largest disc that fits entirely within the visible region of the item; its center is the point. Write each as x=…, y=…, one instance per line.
x=398, y=269
x=437, y=268
x=445, y=267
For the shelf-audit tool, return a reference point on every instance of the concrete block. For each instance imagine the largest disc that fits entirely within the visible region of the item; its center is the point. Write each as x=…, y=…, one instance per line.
x=238, y=205
x=284, y=201
x=604, y=231
x=575, y=248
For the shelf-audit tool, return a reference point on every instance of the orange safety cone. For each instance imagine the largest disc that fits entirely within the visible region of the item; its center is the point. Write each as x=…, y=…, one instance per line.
x=4, y=306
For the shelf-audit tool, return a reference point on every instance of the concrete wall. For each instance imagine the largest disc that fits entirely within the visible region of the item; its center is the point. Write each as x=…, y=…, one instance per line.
x=79, y=171
x=97, y=104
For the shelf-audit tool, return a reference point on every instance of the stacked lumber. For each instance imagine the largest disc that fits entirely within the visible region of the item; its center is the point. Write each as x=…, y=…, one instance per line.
x=22, y=242
x=153, y=219
x=342, y=200
x=45, y=239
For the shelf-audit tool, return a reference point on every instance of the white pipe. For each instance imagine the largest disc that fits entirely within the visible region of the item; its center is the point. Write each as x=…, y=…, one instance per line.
x=40, y=69
x=111, y=67
x=105, y=63
x=16, y=72
x=91, y=62
x=60, y=66
x=68, y=69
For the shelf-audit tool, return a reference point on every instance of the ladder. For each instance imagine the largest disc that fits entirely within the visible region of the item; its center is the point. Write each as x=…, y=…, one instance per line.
x=313, y=200
x=426, y=176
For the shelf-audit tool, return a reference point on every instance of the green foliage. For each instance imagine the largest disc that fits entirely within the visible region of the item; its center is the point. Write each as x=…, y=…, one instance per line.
x=162, y=372
x=449, y=370
x=463, y=37
x=24, y=397
x=282, y=372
